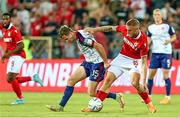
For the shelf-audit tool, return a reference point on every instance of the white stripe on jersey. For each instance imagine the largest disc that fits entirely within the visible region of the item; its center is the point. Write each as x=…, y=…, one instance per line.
x=84, y=42
x=158, y=34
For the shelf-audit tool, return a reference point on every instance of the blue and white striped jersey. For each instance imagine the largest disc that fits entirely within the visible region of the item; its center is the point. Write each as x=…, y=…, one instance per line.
x=85, y=43
x=158, y=34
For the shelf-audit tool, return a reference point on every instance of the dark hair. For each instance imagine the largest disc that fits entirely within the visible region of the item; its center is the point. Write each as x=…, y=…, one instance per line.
x=7, y=14
x=133, y=22
x=64, y=30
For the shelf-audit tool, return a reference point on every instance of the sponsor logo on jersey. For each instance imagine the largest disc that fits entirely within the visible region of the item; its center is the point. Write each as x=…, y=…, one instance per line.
x=133, y=46
x=7, y=39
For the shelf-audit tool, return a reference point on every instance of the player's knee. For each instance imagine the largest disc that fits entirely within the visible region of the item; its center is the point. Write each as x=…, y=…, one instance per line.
x=108, y=82
x=134, y=84
x=165, y=76
x=71, y=82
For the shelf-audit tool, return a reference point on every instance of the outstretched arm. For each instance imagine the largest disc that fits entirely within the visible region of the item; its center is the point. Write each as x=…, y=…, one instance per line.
x=101, y=29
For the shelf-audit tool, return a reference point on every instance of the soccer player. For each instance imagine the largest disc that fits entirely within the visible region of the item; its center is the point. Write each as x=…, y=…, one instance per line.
x=132, y=57
x=16, y=57
x=93, y=66
x=161, y=35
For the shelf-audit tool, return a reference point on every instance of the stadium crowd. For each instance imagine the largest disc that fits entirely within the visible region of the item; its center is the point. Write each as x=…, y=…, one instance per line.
x=43, y=18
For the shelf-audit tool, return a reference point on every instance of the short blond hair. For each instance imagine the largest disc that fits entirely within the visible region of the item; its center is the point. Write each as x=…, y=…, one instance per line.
x=133, y=22
x=156, y=10
x=64, y=30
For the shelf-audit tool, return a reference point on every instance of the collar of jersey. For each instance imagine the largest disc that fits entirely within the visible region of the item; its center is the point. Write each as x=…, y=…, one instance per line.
x=10, y=26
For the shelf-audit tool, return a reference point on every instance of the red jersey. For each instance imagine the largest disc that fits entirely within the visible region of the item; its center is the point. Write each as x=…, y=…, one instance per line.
x=12, y=37
x=133, y=47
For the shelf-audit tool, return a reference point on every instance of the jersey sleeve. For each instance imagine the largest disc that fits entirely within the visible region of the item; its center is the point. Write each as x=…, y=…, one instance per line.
x=17, y=36
x=149, y=34
x=171, y=31
x=87, y=41
x=144, y=48
x=120, y=28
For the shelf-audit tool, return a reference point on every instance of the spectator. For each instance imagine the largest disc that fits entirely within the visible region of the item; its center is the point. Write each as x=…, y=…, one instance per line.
x=3, y=6
x=25, y=18
x=139, y=8
x=167, y=10
x=16, y=19
x=46, y=7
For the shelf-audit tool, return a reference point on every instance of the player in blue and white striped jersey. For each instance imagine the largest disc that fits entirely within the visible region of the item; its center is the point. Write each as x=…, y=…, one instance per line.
x=161, y=35
x=93, y=66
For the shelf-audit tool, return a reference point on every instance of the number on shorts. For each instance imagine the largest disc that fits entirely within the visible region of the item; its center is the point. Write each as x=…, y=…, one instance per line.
x=95, y=73
x=135, y=62
x=168, y=63
x=12, y=64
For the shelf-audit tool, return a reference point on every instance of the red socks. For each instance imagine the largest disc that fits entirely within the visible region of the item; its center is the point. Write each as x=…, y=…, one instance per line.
x=23, y=79
x=16, y=88
x=145, y=97
x=102, y=95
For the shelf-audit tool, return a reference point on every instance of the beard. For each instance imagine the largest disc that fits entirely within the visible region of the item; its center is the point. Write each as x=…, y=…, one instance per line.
x=6, y=26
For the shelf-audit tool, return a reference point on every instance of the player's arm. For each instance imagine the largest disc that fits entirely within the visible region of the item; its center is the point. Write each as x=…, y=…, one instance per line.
x=172, y=34
x=4, y=56
x=172, y=39
x=102, y=53
x=17, y=50
x=144, y=69
x=149, y=34
x=149, y=40
x=101, y=29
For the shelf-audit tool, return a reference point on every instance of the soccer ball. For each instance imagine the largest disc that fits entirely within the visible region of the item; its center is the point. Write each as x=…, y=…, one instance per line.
x=95, y=104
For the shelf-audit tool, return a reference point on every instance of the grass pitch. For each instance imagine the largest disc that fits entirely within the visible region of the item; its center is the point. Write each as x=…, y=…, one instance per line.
x=35, y=106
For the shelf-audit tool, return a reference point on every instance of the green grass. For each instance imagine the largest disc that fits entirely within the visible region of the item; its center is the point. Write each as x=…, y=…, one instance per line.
x=36, y=102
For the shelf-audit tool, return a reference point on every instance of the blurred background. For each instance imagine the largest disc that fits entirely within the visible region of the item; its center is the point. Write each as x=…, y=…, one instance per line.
x=39, y=21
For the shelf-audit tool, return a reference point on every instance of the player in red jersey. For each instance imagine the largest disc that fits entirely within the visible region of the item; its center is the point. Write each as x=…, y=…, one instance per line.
x=16, y=57
x=132, y=57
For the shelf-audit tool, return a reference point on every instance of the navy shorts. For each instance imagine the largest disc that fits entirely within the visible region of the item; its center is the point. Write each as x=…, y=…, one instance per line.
x=95, y=72
x=159, y=60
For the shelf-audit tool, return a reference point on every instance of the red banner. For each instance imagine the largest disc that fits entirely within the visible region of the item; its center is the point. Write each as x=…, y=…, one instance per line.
x=55, y=74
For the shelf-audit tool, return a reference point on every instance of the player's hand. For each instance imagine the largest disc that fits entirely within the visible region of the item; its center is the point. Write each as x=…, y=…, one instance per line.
x=7, y=55
x=2, y=59
x=90, y=30
x=106, y=65
x=167, y=42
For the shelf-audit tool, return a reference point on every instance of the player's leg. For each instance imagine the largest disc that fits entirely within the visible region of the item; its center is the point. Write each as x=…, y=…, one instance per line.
x=113, y=73
x=35, y=78
x=77, y=76
x=155, y=63
x=152, y=73
x=92, y=88
x=13, y=68
x=104, y=90
x=97, y=72
x=135, y=81
x=166, y=63
x=97, y=75
x=11, y=78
